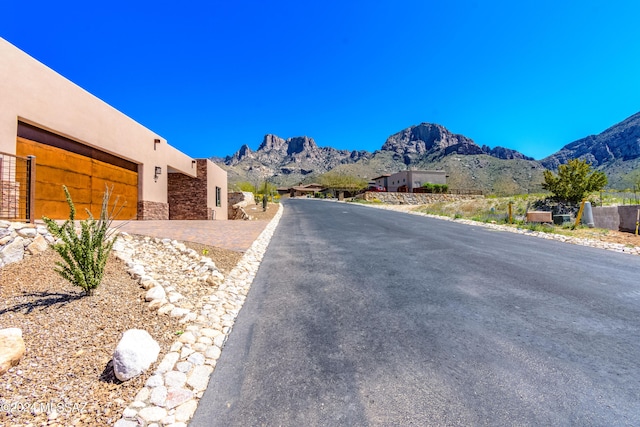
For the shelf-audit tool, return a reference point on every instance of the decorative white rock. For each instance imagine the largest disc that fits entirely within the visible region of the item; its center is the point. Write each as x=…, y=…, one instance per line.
x=157, y=292
x=11, y=348
x=135, y=352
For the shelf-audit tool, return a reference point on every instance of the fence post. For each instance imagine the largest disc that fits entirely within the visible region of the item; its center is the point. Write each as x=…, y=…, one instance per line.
x=579, y=216
x=510, y=212
x=31, y=196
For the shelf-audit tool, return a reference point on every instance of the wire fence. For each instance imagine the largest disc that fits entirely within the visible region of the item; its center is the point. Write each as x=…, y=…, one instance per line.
x=16, y=187
x=620, y=197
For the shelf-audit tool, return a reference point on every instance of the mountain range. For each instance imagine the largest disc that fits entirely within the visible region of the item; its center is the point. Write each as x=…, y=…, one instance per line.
x=500, y=170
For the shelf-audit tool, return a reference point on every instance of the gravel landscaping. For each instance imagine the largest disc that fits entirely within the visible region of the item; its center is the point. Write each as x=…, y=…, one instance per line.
x=65, y=376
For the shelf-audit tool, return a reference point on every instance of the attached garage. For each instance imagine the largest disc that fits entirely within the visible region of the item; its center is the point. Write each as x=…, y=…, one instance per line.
x=80, y=141
x=85, y=171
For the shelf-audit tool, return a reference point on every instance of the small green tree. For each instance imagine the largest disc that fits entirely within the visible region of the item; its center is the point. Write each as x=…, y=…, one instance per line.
x=339, y=181
x=435, y=188
x=574, y=181
x=244, y=186
x=429, y=187
x=85, y=255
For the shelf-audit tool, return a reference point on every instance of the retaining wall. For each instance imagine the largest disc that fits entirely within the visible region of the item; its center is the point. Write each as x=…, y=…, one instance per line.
x=622, y=218
x=414, y=198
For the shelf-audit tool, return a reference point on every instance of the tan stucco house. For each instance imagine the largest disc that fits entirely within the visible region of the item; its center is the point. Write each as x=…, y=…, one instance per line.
x=305, y=190
x=80, y=141
x=408, y=180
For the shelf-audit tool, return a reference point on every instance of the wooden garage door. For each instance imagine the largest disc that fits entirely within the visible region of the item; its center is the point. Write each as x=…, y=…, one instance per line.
x=86, y=179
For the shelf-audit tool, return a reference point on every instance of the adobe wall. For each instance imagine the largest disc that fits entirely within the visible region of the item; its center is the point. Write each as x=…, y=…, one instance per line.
x=37, y=95
x=216, y=177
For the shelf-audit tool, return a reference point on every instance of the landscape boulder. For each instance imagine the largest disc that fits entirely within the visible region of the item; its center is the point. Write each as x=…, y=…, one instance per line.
x=38, y=245
x=135, y=352
x=13, y=252
x=11, y=348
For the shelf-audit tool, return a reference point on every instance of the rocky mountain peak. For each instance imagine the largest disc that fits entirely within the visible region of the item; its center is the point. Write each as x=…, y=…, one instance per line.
x=272, y=142
x=435, y=141
x=243, y=153
x=504, y=153
x=418, y=139
x=619, y=142
x=301, y=144
x=296, y=156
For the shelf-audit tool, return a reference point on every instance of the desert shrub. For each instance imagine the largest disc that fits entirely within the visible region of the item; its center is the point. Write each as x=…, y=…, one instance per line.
x=435, y=188
x=429, y=187
x=574, y=181
x=85, y=255
x=440, y=188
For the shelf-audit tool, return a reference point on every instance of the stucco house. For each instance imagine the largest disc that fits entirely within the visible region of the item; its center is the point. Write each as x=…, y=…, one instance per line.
x=409, y=180
x=382, y=181
x=305, y=190
x=82, y=142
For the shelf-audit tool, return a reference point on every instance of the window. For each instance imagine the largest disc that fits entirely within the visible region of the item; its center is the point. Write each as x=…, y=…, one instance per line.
x=218, y=196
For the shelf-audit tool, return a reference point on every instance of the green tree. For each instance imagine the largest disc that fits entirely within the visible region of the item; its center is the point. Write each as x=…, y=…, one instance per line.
x=85, y=254
x=342, y=182
x=574, y=181
x=244, y=186
x=267, y=188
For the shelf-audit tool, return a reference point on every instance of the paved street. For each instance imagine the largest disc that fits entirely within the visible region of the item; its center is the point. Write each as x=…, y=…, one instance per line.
x=360, y=316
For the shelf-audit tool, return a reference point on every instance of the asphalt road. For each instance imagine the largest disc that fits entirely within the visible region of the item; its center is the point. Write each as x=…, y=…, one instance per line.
x=360, y=316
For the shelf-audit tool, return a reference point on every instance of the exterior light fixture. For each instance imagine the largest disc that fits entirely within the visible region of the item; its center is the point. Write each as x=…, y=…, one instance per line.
x=155, y=143
x=158, y=173
x=193, y=163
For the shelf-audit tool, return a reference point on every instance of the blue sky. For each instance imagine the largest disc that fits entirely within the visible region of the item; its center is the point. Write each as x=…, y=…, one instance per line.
x=210, y=76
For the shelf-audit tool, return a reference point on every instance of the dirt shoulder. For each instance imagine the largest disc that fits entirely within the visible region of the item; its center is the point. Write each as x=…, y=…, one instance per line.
x=599, y=234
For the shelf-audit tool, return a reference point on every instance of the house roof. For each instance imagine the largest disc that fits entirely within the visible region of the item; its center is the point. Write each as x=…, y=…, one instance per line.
x=386, y=175
x=304, y=189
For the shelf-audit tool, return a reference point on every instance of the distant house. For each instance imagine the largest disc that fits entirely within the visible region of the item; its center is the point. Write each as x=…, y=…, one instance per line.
x=382, y=181
x=283, y=191
x=305, y=190
x=408, y=180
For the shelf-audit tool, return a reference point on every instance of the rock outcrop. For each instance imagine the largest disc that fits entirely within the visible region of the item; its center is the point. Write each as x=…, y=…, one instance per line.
x=427, y=138
x=429, y=141
x=504, y=153
x=291, y=159
x=302, y=151
x=620, y=142
x=237, y=202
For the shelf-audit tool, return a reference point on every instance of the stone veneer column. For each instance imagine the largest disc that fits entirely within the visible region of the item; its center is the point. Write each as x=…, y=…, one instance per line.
x=188, y=196
x=153, y=210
